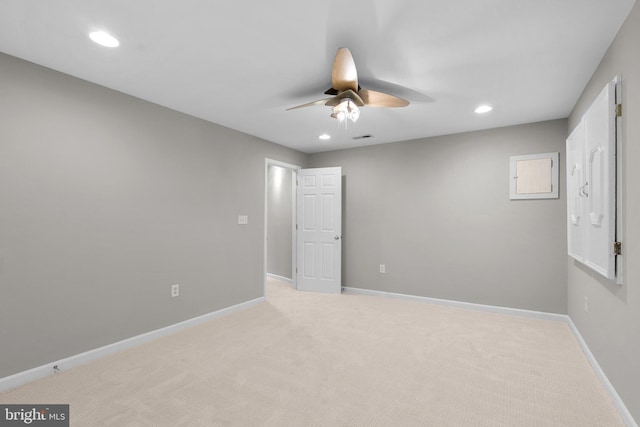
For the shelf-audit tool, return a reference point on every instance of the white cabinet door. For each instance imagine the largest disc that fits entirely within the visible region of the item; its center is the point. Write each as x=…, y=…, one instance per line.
x=591, y=185
x=600, y=160
x=576, y=226
x=319, y=237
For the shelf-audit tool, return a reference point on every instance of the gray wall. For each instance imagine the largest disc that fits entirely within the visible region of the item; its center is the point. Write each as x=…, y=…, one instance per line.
x=611, y=328
x=279, y=220
x=106, y=201
x=437, y=213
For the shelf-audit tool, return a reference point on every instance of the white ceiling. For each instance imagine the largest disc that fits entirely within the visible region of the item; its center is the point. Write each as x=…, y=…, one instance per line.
x=242, y=63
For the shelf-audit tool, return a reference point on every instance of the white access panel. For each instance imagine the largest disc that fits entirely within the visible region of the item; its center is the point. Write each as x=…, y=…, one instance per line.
x=319, y=237
x=591, y=186
x=534, y=176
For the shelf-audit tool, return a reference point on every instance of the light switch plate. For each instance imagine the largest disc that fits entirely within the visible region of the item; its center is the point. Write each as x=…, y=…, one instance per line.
x=243, y=219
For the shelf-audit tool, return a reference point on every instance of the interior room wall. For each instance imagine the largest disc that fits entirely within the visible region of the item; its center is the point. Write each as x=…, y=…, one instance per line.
x=437, y=213
x=611, y=327
x=279, y=220
x=107, y=201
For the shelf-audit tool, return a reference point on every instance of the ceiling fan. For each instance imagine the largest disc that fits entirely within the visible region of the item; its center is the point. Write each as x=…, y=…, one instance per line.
x=347, y=94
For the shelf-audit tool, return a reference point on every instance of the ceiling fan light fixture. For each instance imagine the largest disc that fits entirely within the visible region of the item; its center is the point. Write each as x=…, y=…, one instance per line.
x=347, y=109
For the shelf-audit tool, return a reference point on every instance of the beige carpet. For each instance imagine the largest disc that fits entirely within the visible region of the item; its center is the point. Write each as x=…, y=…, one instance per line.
x=350, y=360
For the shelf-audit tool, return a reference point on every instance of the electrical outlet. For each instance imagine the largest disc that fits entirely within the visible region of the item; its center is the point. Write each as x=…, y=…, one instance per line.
x=243, y=219
x=175, y=290
x=383, y=268
x=586, y=304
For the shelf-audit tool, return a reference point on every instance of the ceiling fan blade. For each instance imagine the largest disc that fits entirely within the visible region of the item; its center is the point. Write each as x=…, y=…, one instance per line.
x=345, y=94
x=311, y=104
x=373, y=98
x=344, y=75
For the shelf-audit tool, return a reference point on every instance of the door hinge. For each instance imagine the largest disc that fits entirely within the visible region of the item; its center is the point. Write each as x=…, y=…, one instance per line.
x=296, y=226
x=618, y=110
x=617, y=248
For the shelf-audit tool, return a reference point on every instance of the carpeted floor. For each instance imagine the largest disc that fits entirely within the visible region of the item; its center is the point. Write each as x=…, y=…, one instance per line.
x=304, y=359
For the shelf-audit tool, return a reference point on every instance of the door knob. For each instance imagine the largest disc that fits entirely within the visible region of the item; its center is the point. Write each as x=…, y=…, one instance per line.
x=337, y=237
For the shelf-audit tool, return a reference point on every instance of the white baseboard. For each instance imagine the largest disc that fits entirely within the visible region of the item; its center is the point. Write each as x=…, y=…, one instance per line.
x=613, y=394
x=611, y=391
x=471, y=306
x=275, y=276
x=43, y=371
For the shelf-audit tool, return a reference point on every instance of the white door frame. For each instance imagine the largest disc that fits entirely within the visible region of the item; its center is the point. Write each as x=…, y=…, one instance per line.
x=294, y=168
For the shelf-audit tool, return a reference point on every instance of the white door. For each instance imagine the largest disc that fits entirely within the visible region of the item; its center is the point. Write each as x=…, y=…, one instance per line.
x=319, y=239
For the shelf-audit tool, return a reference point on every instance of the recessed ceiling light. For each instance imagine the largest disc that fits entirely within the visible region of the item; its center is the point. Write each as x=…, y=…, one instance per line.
x=483, y=109
x=324, y=137
x=104, y=39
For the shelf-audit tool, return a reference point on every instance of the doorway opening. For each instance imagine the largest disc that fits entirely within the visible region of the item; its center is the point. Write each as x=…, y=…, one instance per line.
x=280, y=222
